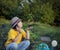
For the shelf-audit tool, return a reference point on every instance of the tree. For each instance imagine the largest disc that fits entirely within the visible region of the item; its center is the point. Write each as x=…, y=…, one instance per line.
x=48, y=12
x=8, y=7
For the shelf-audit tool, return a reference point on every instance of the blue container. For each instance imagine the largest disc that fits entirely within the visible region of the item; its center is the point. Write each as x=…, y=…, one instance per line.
x=43, y=46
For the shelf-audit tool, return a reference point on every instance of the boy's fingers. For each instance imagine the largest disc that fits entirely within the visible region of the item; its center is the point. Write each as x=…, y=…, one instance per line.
x=30, y=28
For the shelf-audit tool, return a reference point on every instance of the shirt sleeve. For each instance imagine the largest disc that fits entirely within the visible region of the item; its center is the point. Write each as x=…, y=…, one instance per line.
x=23, y=34
x=11, y=35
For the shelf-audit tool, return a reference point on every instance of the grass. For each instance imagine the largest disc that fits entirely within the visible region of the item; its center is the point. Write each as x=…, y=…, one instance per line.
x=3, y=20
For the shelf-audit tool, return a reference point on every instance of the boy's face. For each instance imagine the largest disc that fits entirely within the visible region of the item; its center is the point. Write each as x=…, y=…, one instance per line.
x=20, y=24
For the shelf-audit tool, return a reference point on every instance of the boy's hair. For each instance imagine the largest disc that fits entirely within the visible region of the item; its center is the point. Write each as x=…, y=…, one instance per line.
x=14, y=27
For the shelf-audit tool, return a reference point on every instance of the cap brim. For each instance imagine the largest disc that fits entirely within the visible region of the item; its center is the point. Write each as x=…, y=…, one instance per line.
x=16, y=23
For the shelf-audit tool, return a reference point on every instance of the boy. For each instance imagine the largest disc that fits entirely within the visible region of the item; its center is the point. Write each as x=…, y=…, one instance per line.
x=15, y=36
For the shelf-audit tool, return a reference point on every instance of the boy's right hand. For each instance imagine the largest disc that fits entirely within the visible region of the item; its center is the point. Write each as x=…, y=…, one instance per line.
x=19, y=30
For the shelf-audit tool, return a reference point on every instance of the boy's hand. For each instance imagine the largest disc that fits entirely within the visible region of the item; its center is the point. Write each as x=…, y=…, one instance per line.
x=28, y=32
x=29, y=28
x=19, y=30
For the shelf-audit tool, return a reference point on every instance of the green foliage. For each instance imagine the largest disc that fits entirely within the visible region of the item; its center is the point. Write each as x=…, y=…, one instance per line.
x=3, y=20
x=35, y=10
x=26, y=9
x=8, y=7
x=48, y=16
x=56, y=8
x=46, y=11
x=4, y=28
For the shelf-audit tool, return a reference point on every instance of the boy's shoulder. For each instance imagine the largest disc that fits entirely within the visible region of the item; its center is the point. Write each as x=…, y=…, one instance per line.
x=11, y=30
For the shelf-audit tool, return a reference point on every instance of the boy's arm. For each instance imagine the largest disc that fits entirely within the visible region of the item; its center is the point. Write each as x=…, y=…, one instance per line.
x=25, y=35
x=28, y=34
x=14, y=40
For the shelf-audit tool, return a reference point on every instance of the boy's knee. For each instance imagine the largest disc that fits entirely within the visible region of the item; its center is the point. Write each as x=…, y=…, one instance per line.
x=14, y=45
x=27, y=42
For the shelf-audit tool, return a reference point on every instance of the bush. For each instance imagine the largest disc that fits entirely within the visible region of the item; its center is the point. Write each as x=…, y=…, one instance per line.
x=4, y=28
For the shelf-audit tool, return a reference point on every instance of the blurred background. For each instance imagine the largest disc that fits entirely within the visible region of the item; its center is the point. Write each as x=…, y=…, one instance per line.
x=43, y=15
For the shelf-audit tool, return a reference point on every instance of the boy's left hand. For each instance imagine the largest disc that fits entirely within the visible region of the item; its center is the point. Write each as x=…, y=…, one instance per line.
x=29, y=28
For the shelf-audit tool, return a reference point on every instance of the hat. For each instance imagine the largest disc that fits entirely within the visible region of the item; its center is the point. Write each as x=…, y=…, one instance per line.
x=14, y=21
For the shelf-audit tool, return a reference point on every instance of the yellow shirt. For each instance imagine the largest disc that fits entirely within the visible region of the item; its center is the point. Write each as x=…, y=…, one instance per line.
x=12, y=34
